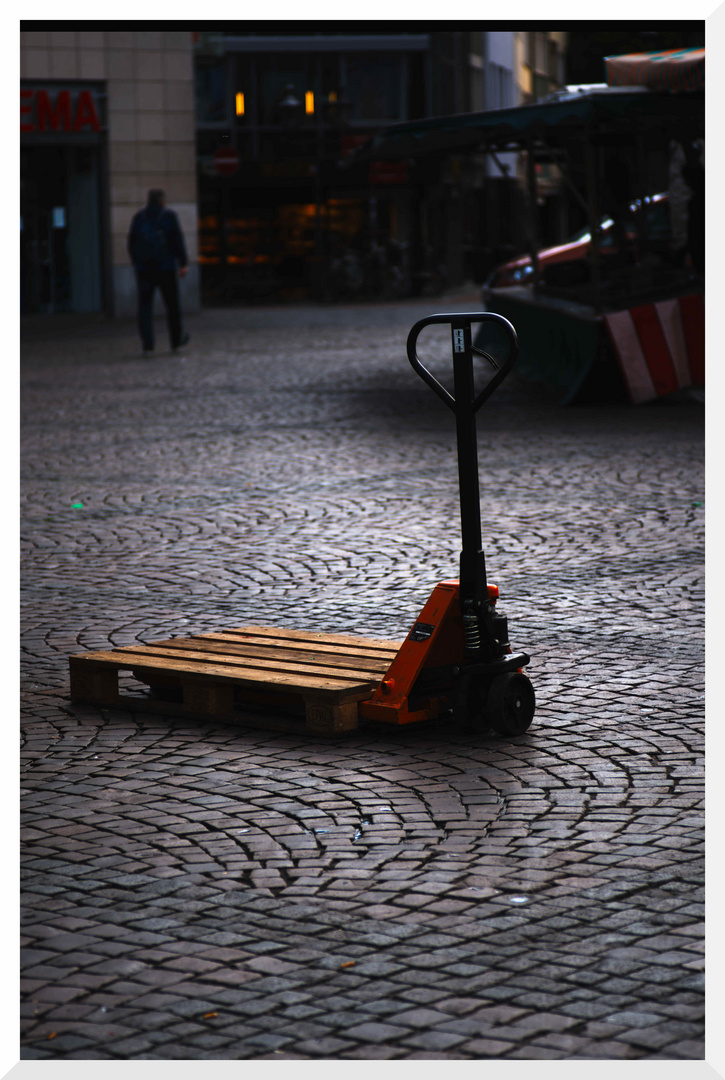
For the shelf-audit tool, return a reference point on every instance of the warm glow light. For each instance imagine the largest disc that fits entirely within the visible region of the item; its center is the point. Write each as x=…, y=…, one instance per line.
x=332, y=96
x=309, y=102
x=240, y=104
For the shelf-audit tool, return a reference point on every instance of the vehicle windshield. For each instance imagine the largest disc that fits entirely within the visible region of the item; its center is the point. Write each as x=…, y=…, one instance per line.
x=584, y=234
x=657, y=218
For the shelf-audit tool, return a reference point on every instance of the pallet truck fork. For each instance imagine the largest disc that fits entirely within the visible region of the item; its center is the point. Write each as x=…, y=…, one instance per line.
x=457, y=655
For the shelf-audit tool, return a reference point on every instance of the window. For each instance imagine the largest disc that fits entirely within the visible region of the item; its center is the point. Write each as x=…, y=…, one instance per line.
x=476, y=89
x=374, y=87
x=553, y=64
x=541, y=86
x=243, y=91
x=274, y=75
x=501, y=87
x=507, y=88
x=211, y=93
x=541, y=53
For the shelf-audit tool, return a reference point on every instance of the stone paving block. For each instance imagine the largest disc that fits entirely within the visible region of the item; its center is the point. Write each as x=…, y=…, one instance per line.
x=438, y=1041
x=373, y=1053
x=687, y=1048
x=268, y=1041
x=375, y=1031
x=485, y=1048
x=543, y=1021
x=610, y=1050
x=567, y=1045
x=326, y=1048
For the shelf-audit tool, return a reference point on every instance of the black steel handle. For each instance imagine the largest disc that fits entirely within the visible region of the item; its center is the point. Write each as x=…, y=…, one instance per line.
x=464, y=320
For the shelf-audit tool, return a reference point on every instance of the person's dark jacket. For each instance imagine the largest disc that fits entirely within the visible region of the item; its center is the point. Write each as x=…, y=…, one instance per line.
x=175, y=248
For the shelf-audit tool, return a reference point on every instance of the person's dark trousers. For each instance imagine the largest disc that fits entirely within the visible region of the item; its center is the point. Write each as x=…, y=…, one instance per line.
x=167, y=282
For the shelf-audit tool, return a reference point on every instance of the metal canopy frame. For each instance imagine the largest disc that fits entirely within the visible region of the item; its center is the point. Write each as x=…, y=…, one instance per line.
x=554, y=122
x=545, y=131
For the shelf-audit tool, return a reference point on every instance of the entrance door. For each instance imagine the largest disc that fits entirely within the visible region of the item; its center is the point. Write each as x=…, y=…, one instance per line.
x=60, y=240
x=36, y=258
x=84, y=247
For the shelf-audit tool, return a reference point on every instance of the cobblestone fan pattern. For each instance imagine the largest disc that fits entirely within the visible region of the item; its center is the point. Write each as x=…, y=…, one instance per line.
x=196, y=890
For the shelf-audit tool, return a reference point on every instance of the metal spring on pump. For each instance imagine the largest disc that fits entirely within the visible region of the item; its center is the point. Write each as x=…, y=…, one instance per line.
x=472, y=632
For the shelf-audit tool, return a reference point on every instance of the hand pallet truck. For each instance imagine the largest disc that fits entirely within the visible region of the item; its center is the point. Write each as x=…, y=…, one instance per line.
x=457, y=655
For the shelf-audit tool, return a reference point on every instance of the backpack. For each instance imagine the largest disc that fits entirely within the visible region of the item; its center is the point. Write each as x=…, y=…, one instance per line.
x=149, y=242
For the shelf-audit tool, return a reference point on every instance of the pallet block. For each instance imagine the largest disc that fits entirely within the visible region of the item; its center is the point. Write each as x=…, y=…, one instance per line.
x=316, y=679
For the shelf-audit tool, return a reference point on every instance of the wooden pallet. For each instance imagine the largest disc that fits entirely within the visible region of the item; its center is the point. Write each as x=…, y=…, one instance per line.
x=283, y=679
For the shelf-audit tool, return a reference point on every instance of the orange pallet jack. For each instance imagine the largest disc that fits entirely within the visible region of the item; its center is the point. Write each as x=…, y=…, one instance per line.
x=457, y=656
x=455, y=659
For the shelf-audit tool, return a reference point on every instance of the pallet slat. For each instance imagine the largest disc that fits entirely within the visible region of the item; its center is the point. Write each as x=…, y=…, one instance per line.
x=271, y=667
x=308, y=635
x=199, y=666
x=230, y=636
x=301, y=655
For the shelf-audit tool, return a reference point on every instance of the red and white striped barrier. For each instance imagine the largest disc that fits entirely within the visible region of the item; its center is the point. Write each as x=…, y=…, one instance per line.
x=660, y=347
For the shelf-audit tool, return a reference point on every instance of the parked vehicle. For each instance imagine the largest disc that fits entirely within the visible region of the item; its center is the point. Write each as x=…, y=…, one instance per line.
x=653, y=231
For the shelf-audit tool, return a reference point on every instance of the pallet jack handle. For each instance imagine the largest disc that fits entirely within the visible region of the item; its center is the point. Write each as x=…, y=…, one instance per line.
x=462, y=346
x=465, y=403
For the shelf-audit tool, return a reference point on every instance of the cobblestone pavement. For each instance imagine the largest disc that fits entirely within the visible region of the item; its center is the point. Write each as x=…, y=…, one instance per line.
x=196, y=890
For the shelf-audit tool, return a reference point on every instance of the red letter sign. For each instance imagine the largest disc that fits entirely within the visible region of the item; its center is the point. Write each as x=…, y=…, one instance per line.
x=59, y=118
x=25, y=109
x=86, y=112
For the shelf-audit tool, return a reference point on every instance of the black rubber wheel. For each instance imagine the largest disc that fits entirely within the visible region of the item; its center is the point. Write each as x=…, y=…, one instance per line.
x=511, y=703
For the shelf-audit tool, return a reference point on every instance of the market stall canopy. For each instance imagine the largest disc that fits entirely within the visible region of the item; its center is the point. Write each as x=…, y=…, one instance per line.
x=676, y=71
x=570, y=115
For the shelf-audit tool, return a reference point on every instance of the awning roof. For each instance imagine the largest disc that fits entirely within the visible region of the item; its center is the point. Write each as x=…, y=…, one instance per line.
x=676, y=70
x=610, y=109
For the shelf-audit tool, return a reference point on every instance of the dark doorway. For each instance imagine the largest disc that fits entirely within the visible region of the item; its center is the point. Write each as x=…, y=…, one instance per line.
x=60, y=235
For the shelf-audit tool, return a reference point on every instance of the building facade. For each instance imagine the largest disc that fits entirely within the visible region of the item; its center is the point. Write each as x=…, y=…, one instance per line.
x=283, y=213
x=104, y=117
x=252, y=136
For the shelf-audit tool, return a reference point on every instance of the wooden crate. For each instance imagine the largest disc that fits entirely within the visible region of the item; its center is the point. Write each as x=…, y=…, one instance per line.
x=283, y=679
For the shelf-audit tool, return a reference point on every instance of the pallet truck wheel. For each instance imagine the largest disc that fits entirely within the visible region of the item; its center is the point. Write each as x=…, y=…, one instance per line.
x=511, y=703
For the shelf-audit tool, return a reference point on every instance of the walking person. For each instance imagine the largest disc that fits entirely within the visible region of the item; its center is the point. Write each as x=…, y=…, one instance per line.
x=158, y=252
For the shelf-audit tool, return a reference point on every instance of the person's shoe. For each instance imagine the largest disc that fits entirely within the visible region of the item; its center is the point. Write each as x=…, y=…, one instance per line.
x=184, y=341
x=149, y=352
